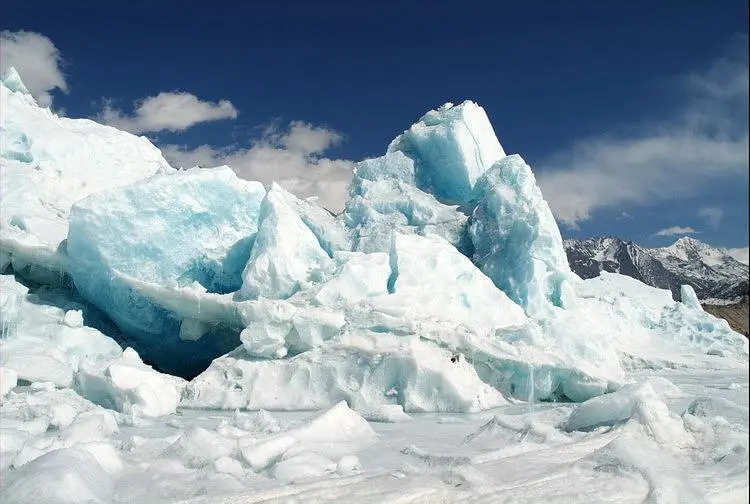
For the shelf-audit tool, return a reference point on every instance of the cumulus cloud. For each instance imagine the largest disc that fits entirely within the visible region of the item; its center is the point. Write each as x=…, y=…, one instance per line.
x=293, y=157
x=36, y=59
x=675, y=230
x=712, y=216
x=741, y=254
x=169, y=111
x=706, y=141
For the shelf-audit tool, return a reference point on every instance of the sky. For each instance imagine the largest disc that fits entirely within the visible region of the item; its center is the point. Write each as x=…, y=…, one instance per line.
x=633, y=115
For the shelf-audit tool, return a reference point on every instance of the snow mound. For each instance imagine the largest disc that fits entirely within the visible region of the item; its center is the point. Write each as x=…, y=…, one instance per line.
x=70, y=475
x=129, y=386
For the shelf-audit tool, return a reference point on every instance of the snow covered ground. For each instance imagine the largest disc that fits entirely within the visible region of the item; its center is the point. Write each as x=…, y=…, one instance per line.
x=187, y=336
x=675, y=436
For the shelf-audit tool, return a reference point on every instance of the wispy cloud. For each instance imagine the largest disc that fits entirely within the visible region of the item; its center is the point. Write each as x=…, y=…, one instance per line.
x=293, y=157
x=712, y=215
x=172, y=111
x=741, y=254
x=675, y=231
x=707, y=140
x=36, y=59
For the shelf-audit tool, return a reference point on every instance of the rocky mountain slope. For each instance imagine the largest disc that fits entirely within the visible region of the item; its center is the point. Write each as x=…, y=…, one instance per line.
x=716, y=277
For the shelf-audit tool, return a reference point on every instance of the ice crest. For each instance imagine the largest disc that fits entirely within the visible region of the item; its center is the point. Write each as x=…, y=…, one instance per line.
x=516, y=240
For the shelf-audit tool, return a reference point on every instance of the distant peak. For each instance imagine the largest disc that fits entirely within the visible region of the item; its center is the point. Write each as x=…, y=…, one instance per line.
x=12, y=80
x=688, y=241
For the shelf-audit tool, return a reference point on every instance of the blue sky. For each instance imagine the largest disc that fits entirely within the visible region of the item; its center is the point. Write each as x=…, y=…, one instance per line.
x=632, y=114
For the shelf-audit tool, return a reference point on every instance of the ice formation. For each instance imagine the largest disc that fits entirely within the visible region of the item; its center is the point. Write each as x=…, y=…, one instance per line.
x=442, y=288
x=446, y=267
x=516, y=240
x=48, y=164
x=190, y=230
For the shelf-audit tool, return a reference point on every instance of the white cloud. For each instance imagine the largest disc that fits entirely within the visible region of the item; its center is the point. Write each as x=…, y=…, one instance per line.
x=741, y=254
x=37, y=61
x=712, y=215
x=675, y=230
x=293, y=158
x=707, y=140
x=171, y=111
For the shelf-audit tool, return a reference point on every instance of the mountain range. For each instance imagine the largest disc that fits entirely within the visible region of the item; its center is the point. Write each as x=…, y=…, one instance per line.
x=717, y=277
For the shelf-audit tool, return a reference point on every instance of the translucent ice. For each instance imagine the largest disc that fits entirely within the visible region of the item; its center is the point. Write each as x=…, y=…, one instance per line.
x=452, y=147
x=516, y=239
x=689, y=298
x=193, y=229
x=47, y=163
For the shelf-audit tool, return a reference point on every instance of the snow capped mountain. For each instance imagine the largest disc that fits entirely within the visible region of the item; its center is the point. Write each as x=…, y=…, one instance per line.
x=713, y=273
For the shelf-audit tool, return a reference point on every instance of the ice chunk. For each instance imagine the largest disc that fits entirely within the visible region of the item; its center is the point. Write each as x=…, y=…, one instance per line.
x=229, y=465
x=360, y=369
x=516, y=239
x=286, y=255
x=191, y=230
x=8, y=380
x=261, y=454
x=429, y=273
x=128, y=385
x=302, y=467
x=377, y=208
x=392, y=166
x=48, y=163
x=200, y=447
x=330, y=233
x=73, y=318
x=37, y=343
x=69, y=475
x=689, y=298
x=609, y=409
x=452, y=147
x=13, y=81
x=358, y=276
x=649, y=329
x=262, y=339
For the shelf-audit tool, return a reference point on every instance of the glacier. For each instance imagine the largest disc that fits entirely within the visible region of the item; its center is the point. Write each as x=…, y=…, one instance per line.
x=163, y=330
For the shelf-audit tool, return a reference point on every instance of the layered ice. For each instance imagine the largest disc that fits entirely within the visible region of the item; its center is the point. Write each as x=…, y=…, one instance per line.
x=516, y=240
x=47, y=164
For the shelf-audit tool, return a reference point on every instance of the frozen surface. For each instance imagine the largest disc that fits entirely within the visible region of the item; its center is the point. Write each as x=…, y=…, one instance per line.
x=47, y=163
x=669, y=436
x=516, y=240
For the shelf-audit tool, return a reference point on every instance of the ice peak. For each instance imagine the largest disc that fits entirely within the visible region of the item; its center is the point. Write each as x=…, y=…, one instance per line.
x=12, y=80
